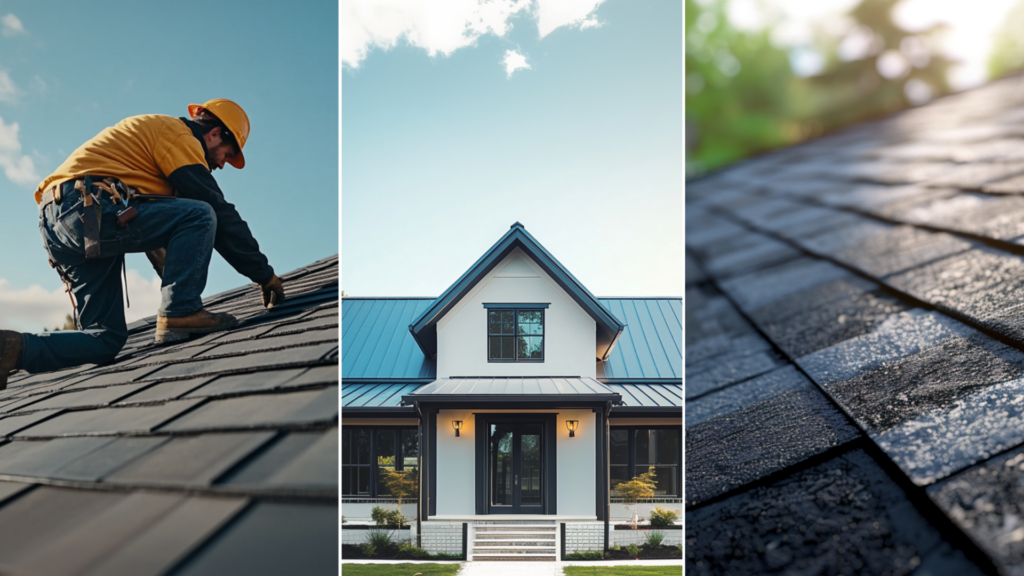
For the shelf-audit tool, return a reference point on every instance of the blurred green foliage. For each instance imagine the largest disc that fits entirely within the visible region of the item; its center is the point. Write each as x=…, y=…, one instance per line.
x=1008, y=44
x=743, y=96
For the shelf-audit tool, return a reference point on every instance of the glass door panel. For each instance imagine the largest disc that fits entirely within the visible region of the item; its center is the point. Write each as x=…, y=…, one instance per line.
x=501, y=464
x=515, y=468
x=529, y=454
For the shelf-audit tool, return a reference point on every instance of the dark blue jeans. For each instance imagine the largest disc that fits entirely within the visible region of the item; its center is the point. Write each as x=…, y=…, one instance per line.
x=186, y=228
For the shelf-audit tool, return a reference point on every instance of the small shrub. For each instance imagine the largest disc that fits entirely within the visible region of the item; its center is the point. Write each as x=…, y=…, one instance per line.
x=586, y=555
x=654, y=539
x=661, y=518
x=380, y=541
x=446, y=556
x=616, y=548
x=389, y=518
x=368, y=549
x=408, y=551
x=633, y=550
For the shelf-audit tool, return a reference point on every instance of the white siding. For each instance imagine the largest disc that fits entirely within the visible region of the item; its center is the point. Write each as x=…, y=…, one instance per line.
x=576, y=463
x=456, y=478
x=569, y=332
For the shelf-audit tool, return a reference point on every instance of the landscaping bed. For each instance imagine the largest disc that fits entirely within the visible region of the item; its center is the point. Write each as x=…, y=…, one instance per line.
x=395, y=552
x=644, y=552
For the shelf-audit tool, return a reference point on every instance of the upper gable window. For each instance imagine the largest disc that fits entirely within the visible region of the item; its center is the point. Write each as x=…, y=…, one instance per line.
x=515, y=334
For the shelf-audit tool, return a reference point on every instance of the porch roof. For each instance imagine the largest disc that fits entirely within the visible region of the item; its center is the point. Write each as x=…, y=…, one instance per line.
x=493, y=388
x=649, y=395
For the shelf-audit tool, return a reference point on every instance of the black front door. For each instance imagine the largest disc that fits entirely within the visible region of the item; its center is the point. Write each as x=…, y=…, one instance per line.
x=516, y=468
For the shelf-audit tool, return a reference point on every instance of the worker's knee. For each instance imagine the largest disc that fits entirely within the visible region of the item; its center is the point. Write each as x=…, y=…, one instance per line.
x=203, y=213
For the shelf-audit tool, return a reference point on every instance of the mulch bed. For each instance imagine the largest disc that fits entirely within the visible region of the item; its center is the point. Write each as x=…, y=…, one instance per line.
x=646, y=553
x=354, y=552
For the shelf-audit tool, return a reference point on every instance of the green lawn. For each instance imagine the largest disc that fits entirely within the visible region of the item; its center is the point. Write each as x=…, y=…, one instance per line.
x=622, y=571
x=399, y=569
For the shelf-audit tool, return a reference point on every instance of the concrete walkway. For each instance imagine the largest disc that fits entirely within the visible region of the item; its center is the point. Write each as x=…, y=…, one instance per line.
x=523, y=568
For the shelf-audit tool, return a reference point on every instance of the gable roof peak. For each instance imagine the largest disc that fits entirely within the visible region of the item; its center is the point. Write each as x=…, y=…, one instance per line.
x=424, y=326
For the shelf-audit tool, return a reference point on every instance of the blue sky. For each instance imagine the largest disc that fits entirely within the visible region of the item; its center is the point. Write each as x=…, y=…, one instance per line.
x=68, y=71
x=443, y=148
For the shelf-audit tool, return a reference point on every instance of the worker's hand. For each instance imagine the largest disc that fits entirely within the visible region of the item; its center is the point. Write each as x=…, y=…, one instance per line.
x=157, y=258
x=273, y=292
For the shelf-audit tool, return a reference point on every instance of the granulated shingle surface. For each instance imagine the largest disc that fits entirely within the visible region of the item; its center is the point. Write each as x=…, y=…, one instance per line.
x=210, y=422
x=904, y=309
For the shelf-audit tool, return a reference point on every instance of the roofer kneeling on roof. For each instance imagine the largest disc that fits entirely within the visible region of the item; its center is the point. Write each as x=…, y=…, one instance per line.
x=144, y=185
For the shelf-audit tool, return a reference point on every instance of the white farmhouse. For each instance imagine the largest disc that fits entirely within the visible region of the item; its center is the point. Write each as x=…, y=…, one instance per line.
x=522, y=400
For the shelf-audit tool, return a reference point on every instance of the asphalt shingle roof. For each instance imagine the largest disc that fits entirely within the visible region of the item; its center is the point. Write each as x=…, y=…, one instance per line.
x=878, y=272
x=216, y=455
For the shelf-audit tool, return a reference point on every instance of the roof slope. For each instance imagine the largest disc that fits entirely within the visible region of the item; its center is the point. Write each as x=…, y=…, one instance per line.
x=217, y=455
x=377, y=344
x=883, y=266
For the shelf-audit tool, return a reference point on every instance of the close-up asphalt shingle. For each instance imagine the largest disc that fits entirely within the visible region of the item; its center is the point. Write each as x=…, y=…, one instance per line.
x=216, y=455
x=877, y=271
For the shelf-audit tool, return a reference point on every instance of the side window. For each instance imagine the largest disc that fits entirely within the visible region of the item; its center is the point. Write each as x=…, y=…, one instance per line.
x=515, y=335
x=366, y=451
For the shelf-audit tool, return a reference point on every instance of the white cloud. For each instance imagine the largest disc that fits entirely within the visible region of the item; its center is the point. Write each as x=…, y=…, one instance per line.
x=144, y=295
x=437, y=27
x=553, y=14
x=514, y=61
x=12, y=26
x=8, y=91
x=443, y=26
x=18, y=167
x=34, y=308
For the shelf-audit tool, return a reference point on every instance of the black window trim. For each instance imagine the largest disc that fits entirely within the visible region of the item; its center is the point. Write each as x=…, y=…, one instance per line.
x=516, y=309
x=374, y=475
x=632, y=468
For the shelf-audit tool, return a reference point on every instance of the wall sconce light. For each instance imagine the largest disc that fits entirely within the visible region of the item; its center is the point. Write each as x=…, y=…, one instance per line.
x=572, y=425
x=457, y=424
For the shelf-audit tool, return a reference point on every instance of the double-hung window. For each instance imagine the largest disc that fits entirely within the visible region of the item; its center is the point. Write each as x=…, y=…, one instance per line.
x=365, y=451
x=634, y=449
x=515, y=334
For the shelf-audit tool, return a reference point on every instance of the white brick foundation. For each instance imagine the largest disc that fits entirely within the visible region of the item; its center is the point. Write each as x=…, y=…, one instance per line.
x=442, y=537
x=584, y=536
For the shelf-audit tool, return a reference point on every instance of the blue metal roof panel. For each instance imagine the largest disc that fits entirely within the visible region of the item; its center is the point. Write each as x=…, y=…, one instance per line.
x=650, y=395
x=375, y=339
x=384, y=395
x=651, y=345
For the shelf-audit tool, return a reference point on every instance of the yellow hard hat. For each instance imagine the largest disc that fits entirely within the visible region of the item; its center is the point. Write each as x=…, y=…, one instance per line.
x=233, y=117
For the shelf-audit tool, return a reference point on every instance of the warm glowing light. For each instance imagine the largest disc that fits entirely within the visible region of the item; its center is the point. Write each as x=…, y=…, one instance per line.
x=457, y=424
x=572, y=425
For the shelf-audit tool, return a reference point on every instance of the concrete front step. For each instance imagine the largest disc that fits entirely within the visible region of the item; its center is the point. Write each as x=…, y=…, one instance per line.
x=501, y=541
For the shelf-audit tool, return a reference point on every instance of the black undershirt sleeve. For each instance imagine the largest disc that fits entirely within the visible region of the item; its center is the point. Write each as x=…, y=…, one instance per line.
x=234, y=240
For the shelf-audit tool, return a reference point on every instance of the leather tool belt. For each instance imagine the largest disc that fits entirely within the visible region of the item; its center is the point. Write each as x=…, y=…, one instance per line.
x=92, y=190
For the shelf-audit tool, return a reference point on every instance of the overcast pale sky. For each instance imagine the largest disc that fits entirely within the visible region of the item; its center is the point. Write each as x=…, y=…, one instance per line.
x=67, y=71
x=456, y=122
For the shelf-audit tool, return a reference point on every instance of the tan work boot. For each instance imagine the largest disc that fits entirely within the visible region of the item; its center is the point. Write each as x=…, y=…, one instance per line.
x=201, y=322
x=10, y=351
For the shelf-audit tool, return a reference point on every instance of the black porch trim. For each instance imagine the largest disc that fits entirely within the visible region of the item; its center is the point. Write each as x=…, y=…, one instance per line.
x=379, y=412
x=646, y=411
x=432, y=432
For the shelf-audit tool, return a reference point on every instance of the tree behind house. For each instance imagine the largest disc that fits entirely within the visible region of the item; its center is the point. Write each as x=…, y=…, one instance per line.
x=401, y=485
x=639, y=488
